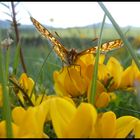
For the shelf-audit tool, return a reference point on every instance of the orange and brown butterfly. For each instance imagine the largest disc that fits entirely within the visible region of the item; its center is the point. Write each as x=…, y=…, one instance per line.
x=69, y=57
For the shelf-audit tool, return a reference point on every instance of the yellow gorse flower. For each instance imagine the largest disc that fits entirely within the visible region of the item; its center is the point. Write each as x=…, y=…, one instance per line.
x=27, y=84
x=102, y=97
x=130, y=75
x=108, y=126
x=69, y=121
x=69, y=81
x=27, y=123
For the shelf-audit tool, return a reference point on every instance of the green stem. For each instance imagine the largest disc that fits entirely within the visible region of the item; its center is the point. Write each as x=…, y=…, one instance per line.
x=7, y=63
x=38, y=75
x=95, y=72
x=6, y=99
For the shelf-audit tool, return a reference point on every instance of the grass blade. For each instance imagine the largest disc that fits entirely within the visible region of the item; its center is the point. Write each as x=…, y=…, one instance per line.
x=95, y=73
x=7, y=62
x=6, y=99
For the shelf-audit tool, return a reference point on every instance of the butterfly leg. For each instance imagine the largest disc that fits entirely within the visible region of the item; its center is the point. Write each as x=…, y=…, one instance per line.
x=69, y=72
x=78, y=66
x=62, y=67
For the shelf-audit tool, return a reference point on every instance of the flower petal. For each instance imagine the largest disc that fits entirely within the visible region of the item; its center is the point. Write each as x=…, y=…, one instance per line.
x=125, y=124
x=112, y=64
x=137, y=129
x=81, y=125
x=108, y=127
x=103, y=100
x=18, y=114
x=127, y=78
x=61, y=112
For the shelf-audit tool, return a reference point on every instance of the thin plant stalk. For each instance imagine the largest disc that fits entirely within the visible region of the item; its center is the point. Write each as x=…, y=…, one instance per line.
x=17, y=36
x=7, y=62
x=6, y=100
x=16, y=59
x=95, y=72
x=38, y=75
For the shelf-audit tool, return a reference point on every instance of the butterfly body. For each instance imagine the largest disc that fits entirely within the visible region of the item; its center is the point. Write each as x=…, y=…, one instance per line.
x=69, y=57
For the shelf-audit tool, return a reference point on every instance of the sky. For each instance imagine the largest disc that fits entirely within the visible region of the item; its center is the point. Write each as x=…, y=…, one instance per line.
x=71, y=14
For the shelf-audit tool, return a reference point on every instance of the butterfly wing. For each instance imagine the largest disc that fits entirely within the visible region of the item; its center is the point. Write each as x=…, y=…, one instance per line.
x=108, y=46
x=58, y=47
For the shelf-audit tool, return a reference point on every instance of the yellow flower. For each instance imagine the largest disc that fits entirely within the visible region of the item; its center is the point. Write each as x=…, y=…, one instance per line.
x=69, y=121
x=125, y=125
x=116, y=71
x=113, y=96
x=105, y=126
x=130, y=75
x=108, y=126
x=59, y=111
x=73, y=81
x=107, y=74
x=30, y=122
x=102, y=98
x=137, y=130
x=26, y=84
x=81, y=125
x=27, y=123
x=69, y=82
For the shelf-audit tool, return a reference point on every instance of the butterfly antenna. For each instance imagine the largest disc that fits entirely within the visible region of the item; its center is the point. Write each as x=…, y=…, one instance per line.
x=95, y=39
x=26, y=10
x=127, y=30
x=57, y=34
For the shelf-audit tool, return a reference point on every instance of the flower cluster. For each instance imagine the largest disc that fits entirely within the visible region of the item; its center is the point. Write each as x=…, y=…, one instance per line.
x=64, y=112
x=68, y=121
x=75, y=81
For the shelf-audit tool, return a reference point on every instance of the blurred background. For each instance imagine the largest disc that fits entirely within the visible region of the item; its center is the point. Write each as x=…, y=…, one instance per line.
x=77, y=25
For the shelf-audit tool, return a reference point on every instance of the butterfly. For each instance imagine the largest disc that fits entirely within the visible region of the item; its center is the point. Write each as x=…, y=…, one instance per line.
x=69, y=57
